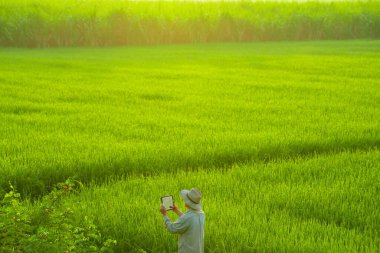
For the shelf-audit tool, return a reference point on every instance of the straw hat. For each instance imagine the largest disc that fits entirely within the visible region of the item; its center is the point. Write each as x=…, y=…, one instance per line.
x=192, y=198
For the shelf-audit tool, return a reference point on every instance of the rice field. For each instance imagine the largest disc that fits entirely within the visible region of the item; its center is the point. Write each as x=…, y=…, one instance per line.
x=282, y=137
x=326, y=203
x=44, y=23
x=100, y=113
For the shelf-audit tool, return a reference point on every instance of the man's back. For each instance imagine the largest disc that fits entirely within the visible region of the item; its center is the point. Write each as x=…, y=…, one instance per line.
x=192, y=239
x=190, y=227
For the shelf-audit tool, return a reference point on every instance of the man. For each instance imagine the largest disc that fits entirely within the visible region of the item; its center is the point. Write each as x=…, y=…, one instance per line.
x=190, y=225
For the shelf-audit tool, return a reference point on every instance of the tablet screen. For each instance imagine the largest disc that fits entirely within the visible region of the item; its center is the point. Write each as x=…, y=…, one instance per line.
x=167, y=201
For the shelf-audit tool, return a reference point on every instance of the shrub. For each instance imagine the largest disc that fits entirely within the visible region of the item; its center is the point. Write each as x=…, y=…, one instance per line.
x=48, y=226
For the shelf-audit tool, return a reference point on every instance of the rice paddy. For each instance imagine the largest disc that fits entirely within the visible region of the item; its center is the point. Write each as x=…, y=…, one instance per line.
x=282, y=137
x=99, y=113
x=328, y=203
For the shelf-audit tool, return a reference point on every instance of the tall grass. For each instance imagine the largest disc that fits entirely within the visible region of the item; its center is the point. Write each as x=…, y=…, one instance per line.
x=44, y=23
x=99, y=113
x=323, y=204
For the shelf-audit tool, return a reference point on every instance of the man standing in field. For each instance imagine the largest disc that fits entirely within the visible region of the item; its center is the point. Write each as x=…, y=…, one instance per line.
x=190, y=225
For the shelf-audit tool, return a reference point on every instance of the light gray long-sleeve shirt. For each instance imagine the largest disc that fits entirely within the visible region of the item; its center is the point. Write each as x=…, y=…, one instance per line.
x=190, y=227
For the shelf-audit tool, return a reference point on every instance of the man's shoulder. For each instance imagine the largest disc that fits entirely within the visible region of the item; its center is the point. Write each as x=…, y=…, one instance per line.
x=191, y=213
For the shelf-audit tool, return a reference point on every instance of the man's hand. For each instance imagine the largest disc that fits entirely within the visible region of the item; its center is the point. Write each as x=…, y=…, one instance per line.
x=163, y=210
x=176, y=210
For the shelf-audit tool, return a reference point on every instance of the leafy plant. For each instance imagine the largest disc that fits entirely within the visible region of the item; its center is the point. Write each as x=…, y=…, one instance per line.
x=15, y=223
x=49, y=228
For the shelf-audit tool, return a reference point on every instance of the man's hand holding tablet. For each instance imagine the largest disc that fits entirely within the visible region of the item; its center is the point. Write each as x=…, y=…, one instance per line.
x=168, y=202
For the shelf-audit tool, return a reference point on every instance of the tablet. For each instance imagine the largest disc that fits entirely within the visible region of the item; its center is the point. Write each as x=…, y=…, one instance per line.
x=167, y=201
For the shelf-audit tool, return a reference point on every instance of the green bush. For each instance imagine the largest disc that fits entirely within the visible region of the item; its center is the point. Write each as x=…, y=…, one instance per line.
x=48, y=227
x=15, y=223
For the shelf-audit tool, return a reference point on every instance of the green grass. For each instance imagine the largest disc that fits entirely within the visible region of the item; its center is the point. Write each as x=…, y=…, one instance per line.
x=328, y=203
x=101, y=113
x=44, y=23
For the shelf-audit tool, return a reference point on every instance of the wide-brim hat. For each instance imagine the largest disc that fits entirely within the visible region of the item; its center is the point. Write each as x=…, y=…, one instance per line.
x=192, y=198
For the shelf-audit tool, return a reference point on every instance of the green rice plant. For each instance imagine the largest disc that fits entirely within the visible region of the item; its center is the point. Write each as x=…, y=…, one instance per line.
x=43, y=23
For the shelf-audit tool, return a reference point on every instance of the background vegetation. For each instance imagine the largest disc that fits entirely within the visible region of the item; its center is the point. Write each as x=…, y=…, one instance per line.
x=44, y=23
